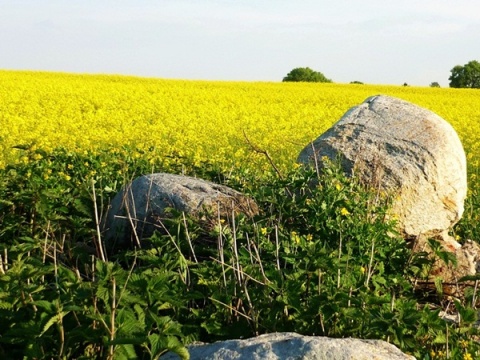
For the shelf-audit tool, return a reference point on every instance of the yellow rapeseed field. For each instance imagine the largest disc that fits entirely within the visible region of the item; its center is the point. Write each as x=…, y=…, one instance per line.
x=201, y=120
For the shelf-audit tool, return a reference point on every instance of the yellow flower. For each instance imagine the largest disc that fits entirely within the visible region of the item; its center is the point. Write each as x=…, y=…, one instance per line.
x=263, y=231
x=309, y=237
x=338, y=186
x=295, y=237
x=362, y=270
x=344, y=212
x=70, y=166
x=467, y=356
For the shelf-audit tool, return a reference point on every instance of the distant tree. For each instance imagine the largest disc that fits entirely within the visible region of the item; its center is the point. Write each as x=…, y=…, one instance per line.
x=356, y=82
x=306, y=75
x=466, y=76
x=434, y=84
x=405, y=84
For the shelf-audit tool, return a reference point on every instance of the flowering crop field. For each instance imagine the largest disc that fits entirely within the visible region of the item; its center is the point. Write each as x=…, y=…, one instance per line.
x=329, y=264
x=198, y=120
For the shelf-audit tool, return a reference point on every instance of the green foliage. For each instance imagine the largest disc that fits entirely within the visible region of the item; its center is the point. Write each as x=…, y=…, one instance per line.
x=466, y=76
x=434, y=84
x=305, y=75
x=321, y=258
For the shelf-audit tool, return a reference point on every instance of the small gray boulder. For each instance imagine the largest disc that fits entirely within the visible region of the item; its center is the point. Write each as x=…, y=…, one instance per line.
x=397, y=146
x=292, y=346
x=139, y=209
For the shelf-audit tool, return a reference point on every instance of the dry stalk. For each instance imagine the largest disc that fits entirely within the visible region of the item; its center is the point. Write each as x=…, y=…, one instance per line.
x=249, y=248
x=231, y=308
x=97, y=224
x=370, y=264
x=242, y=272
x=277, y=248
x=474, y=298
x=259, y=260
x=188, y=237
x=251, y=306
x=236, y=260
x=315, y=159
x=220, y=247
x=263, y=152
x=111, y=349
x=339, y=256
x=130, y=218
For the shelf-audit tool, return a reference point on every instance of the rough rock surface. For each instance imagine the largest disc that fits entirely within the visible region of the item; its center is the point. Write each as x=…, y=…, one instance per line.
x=402, y=147
x=141, y=205
x=292, y=346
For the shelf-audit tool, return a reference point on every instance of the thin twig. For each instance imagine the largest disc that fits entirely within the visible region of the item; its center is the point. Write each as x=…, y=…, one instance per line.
x=231, y=308
x=263, y=152
x=188, y=237
x=220, y=247
x=370, y=264
x=111, y=350
x=317, y=169
x=339, y=257
x=243, y=273
x=277, y=248
x=474, y=298
x=260, y=262
x=235, y=249
x=97, y=224
x=129, y=214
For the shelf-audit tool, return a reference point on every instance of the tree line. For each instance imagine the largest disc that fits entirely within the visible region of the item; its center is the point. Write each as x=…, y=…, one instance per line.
x=462, y=76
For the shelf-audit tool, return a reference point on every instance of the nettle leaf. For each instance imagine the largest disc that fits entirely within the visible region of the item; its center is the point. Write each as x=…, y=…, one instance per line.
x=157, y=344
x=82, y=208
x=128, y=323
x=125, y=352
x=103, y=293
x=5, y=305
x=53, y=320
x=161, y=344
x=46, y=305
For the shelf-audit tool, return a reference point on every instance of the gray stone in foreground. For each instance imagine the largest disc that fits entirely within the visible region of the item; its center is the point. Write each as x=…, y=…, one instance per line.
x=139, y=209
x=292, y=346
x=398, y=146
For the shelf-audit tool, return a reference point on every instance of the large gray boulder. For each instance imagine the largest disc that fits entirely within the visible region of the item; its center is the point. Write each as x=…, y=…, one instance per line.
x=398, y=146
x=292, y=346
x=140, y=208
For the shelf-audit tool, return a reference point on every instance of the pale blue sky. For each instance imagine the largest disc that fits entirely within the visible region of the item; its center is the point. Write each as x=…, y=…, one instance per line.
x=374, y=41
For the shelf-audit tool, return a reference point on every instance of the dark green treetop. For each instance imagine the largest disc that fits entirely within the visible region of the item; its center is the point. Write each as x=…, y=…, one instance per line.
x=466, y=76
x=306, y=75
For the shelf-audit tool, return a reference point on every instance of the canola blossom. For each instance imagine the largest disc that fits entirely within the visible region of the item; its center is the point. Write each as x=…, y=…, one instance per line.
x=219, y=122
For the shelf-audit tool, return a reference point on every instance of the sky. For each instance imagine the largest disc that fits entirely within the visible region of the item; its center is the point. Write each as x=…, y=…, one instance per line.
x=374, y=41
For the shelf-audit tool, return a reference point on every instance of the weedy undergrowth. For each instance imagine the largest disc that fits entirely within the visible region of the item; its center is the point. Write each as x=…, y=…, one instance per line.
x=322, y=258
